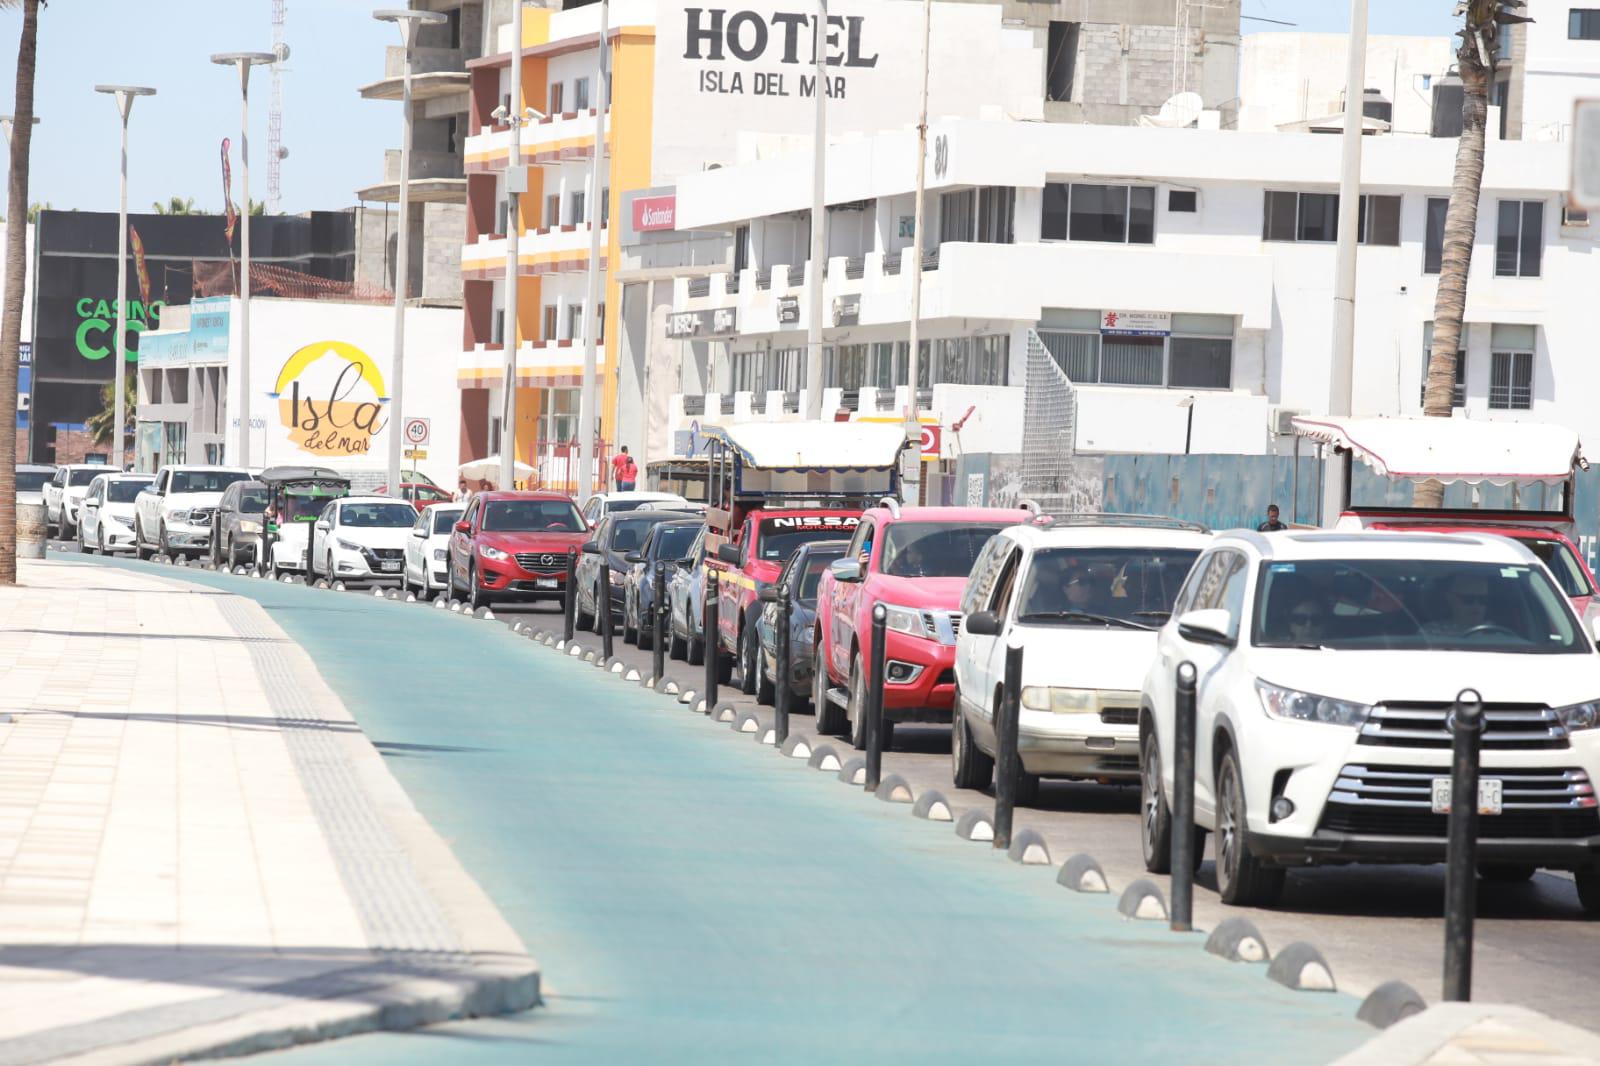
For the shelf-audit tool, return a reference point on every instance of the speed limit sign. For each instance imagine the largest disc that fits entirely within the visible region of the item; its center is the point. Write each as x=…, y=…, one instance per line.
x=417, y=432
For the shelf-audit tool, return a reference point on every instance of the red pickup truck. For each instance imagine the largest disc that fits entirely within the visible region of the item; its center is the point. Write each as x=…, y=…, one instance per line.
x=914, y=561
x=752, y=561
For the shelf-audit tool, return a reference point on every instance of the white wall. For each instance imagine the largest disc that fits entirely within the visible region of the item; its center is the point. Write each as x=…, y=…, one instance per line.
x=290, y=342
x=1558, y=71
x=1288, y=77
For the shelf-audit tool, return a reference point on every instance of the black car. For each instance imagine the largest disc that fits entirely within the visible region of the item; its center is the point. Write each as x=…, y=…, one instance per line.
x=617, y=536
x=236, y=526
x=801, y=574
x=686, y=594
x=665, y=543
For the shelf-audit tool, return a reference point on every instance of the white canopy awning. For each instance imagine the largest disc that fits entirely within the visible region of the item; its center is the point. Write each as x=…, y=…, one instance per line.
x=811, y=445
x=1451, y=449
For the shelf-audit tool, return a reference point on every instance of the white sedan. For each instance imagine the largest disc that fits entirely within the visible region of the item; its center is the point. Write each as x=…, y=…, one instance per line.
x=105, y=515
x=427, y=567
x=361, y=538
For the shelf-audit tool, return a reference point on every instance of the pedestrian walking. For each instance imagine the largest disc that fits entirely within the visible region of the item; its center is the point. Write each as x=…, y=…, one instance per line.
x=624, y=471
x=1271, y=525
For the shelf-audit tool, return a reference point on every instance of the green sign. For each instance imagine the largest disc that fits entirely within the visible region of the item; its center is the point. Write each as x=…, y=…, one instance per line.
x=99, y=317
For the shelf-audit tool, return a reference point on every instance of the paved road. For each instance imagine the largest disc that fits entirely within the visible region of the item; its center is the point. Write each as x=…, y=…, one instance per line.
x=692, y=895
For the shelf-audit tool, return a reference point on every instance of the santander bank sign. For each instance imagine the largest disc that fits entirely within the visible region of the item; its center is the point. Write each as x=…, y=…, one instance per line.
x=654, y=213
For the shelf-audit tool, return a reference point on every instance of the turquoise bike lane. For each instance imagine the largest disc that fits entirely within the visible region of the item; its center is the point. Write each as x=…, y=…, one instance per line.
x=690, y=895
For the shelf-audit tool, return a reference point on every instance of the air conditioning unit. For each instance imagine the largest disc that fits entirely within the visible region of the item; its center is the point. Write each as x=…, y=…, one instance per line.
x=1283, y=419
x=1572, y=215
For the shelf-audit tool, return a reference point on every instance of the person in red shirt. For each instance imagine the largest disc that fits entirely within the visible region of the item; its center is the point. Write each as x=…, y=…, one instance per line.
x=624, y=471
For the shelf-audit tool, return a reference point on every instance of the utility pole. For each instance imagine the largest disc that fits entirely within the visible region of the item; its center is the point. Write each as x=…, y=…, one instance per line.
x=819, y=219
x=516, y=182
x=125, y=95
x=911, y=476
x=1342, y=364
x=587, y=422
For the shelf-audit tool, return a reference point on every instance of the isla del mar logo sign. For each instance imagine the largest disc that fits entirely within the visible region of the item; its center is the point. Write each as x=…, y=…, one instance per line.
x=739, y=39
x=331, y=399
x=98, y=318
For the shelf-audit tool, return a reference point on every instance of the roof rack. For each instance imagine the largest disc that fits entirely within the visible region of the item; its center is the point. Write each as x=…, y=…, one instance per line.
x=892, y=505
x=1031, y=506
x=1141, y=521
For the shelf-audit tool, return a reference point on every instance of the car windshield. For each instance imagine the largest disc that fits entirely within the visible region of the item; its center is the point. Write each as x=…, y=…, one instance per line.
x=124, y=491
x=531, y=516
x=1414, y=605
x=83, y=477
x=1563, y=563
x=377, y=515
x=628, y=533
x=618, y=506
x=204, y=480
x=34, y=480
x=934, y=549
x=674, y=541
x=1127, y=587
x=445, y=518
x=780, y=537
x=815, y=563
x=304, y=505
x=253, y=501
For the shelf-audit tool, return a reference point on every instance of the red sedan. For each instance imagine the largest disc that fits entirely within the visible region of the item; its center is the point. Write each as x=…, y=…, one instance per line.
x=420, y=494
x=513, y=546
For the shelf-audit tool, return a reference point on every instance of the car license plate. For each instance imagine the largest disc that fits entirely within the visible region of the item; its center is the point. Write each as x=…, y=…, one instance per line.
x=544, y=583
x=1491, y=795
x=389, y=567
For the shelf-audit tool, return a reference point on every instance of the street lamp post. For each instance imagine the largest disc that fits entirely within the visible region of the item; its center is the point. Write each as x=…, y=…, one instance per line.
x=408, y=20
x=819, y=215
x=125, y=95
x=911, y=479
x=595, y=210
x=242, y=62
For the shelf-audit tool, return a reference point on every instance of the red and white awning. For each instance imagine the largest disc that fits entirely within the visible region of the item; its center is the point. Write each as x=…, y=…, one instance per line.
x=1451, y=449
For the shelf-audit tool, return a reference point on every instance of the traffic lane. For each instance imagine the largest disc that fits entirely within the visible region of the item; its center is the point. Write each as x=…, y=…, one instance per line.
x=1373, y=923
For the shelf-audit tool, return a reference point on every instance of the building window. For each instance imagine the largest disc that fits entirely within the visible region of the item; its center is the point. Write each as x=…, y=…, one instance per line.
x=555, y=98
x=996, y=212
x=1433, y=240
x=575, y=321
x=1182, y=201
x=552, y=211
x=1519, y=247
x=1314, y=217
x=502, y=216
x=1511, y=367
x=1458, y=396
x=575, y=209
x=497, y=327
x=847, y=368
x=1061, y=59
x=605, y=207
x=1197, y=355
x=955, y=216
x=1073, y=341
x=741, y=249
x=1113, y=214
x=580, y=94
x=1583, y=24
x=1380, y=221
x=558, y=424
x=600, y=324
x=550, y=321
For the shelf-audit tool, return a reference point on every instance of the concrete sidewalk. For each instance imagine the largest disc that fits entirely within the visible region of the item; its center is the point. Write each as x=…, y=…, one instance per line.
x=200, y=851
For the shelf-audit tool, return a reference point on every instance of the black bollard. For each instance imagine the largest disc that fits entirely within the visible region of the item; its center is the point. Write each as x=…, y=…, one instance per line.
x=602, y=603
x=873, y=727
x=1182, y=920
x=780, y=691
x=658, y=644
x=1461, y=860
x=712, y=642
x=1007, y=764
x=571, y=607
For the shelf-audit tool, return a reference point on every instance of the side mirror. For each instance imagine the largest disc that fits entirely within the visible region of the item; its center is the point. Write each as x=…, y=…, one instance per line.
x=634, y=557
x=728, y=553
x=1206, y=627
x=768, y=594
x=591, y=547
x=1594, y=625
x=845, y=570
x=463, y=528
x=982, y=624
x=91, y=504
x=686, y=563
x=324, y=526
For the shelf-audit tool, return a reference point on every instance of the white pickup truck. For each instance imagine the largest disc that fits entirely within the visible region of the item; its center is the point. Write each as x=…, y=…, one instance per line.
x=173, y=515
x=64, y=492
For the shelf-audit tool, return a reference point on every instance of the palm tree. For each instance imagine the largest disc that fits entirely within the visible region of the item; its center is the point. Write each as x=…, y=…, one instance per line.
x=16, y=270
x=101, y=422
x=1480, y=39
x=176, y=205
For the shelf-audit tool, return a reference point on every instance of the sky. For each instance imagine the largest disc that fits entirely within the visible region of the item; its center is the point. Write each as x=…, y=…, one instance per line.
x=336, y=139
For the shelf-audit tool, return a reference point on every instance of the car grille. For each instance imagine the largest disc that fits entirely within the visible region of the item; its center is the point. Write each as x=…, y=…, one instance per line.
x=387, y=554
x=1508, y=726
x=1120, y=716
x=201, y=516
x=1540, y=802
x=543, y=562
x=1117, y=764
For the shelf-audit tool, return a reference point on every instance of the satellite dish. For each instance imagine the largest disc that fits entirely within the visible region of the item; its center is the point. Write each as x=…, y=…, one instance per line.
x=282, y=52
x=1178, y=112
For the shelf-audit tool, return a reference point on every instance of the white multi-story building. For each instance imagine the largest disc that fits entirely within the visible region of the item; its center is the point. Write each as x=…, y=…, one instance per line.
x=1182, y=278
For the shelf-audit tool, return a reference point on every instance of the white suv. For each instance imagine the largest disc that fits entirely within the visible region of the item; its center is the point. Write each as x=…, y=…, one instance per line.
x=1328, y=663
x=1084, y=595
x=173, y=514
x=362, y=538
x=65, y=491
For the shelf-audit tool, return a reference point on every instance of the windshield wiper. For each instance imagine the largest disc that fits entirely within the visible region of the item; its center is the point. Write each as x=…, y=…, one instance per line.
x=1085, y=616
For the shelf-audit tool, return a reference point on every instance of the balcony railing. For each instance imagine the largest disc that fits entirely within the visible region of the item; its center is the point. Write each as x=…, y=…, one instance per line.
x=699, y=287
x=764, y=278
x=730, y=282
x=855, y=267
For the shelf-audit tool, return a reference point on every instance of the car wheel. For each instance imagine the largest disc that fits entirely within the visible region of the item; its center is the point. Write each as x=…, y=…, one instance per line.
x=677, y=647
x=82, y=547
x=1242, y=879
x=858, y=705
x=766, y=691
x=829, y=715
x=630, y=627
x=969, y=766
x=138, y=542
x=163, y=544
x=581, y=619
x=1507, y=872
x=1155, y=818
x=745, y=645
x=645, y=629
x=1588, y=881
x=476, y=595
x=695, y=653
x=327, y=566
x=100, y=539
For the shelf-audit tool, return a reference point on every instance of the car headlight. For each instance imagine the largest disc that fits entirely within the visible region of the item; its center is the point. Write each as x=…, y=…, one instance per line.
x=440, y=554
x=1308, y=707
x=347, y=545
x=178, y=514
x=493, y=553
x=904, y=620
x=1060, y=700
x=1580, y=716
x=249, y=527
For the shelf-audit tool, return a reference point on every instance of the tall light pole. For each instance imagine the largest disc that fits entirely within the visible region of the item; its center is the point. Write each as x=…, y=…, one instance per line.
x=911, y=477
x=1342, y=375
x=243, y=61
x=516, y=183
x=595, y=211
x=125, y=95
x=408, y=20
x=819, y=216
